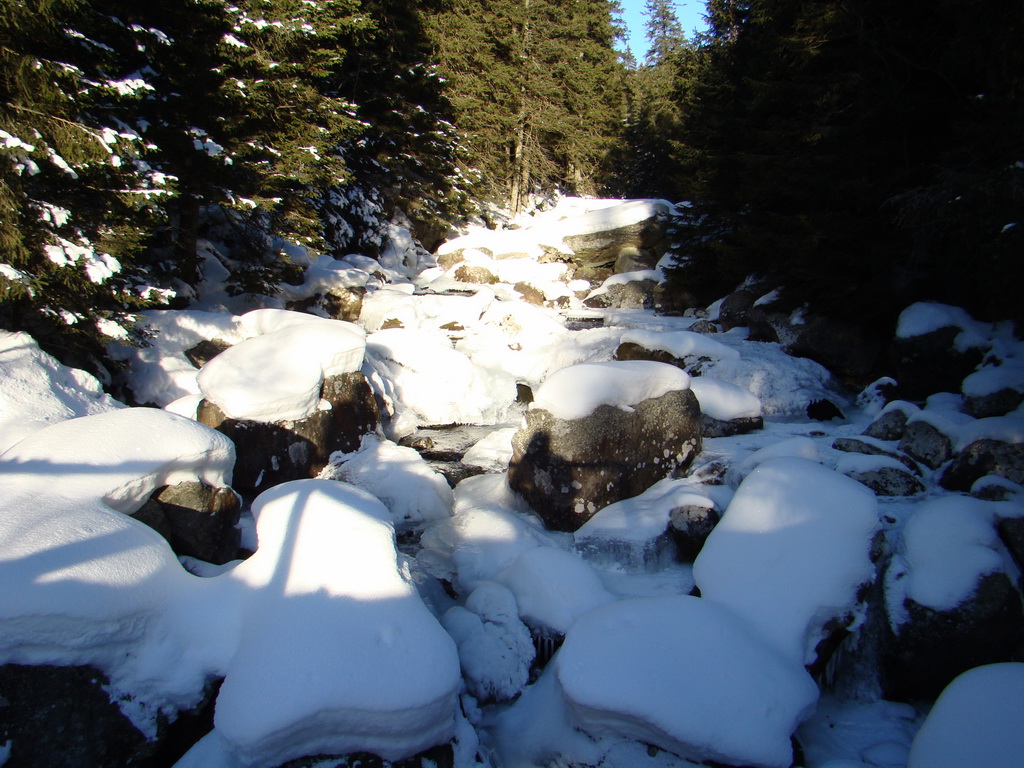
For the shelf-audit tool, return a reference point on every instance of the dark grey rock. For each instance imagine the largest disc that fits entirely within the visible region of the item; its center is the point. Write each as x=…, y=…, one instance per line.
x=853, y=445
x=636, y=294
x=633, y=259
x=931, y=363
x=338, y=303
x=733, y=311
x=704, y=326
x=274, y=453
x=889, y=481
x=690, y=527
x=205, y=351
x=62, y=716
x=200, y=521
x=568, y=470
x=891, y=423
x=530, y=293
x=985, y=457
x=601, y=249
x=995, y=404
x=717, y=428
x=924, y=442
x=932, y=647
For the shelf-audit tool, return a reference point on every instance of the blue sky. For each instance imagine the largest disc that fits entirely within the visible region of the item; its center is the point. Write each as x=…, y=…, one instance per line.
x=689, y=12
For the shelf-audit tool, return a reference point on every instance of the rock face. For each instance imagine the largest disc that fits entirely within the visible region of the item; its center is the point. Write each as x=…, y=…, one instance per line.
x=269, y=454
x=924, y=442
x=197, y=520
x=636, y=294
x=602, y=249
x=932, y=647
x=338, y=303
x=567, y=470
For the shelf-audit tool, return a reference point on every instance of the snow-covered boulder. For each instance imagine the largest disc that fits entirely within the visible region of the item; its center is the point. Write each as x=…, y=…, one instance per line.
x=329, y=606
x=976, y=721
x=930, y=435
x=804, y=535
x=884, y=475
x=495, y=646
x=413, y=493
x=637, y=534
x=842, y=347
x=936, y=347
x=38, y=391
x=994, y=391
x=891, y=422
x=950, y=602
x=684, y=349
x=992, y=446
x=596, y=238
x=425, y=381
x=597, y=433
x=664, y=671
x=629, y=290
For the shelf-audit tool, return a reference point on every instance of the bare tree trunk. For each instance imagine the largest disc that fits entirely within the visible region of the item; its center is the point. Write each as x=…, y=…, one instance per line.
x=520, y=178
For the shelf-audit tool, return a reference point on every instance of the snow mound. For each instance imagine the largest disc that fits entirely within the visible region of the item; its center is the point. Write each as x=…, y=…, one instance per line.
x=681, y=344
x=429, y=382
x=398, y=476
x=334, y=611
x=989, y=380
x=803, y=534
x=553, y=587
x=38, y=391
x=975, y=721
x=492, y=453
x=664, y=670
x=160, y=373
x=83, y=583
x=277, y=375
x=948, y=545
x=926, y=317
x=724, y=401
x=495, y=647
x=577, y=391
x=802, y=447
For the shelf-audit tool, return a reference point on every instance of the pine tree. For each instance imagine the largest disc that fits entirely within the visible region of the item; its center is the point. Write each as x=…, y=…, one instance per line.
x=76, y=190
x=537, y=89
x=664, y=32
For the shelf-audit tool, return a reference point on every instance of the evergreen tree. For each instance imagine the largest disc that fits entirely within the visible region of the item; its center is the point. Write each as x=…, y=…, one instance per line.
x=76, y=190
x=664, y=32
x=827, y=145
x=537, y=89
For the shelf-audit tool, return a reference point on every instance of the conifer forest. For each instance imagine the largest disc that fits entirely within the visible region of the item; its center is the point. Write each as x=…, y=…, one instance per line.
x=829, y=145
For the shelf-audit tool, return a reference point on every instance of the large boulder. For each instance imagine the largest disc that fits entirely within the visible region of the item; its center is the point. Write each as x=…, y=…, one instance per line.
x=270, y=453
x=597, y=238
x=936, y=346
x=196, y=519
x=600, y=432
x=950, y=603
x=842, y=347
x=631, y=290
x=997, y=450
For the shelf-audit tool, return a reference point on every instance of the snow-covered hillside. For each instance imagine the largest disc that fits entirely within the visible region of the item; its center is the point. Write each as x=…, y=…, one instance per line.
x=381, y=610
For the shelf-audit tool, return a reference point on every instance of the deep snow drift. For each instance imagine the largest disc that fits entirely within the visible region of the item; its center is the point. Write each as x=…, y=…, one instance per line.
x=330, y=639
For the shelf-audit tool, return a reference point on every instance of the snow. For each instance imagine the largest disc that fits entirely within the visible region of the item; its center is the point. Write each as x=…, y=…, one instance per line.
x=926, y=317
x=577, y=391
x=948, y=545
x=724, y=401
x=413, y=493
x=378, y=672
x=803, y=533
x=681, y=344
x=975, y=721
x=277, y=375
x=38, y=391
x=429, y=382
x=988, y=381
x=553, y=588
x=329, y=639
x=664, y=671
